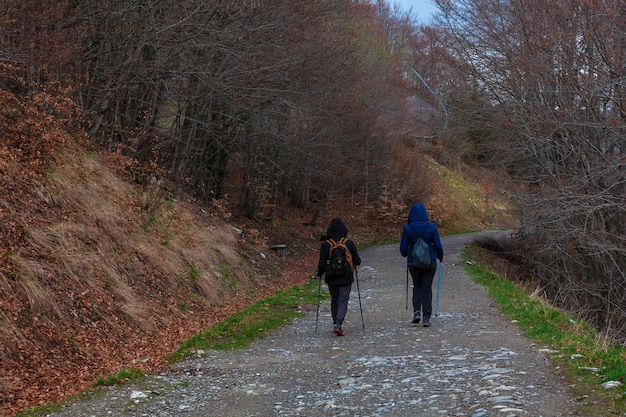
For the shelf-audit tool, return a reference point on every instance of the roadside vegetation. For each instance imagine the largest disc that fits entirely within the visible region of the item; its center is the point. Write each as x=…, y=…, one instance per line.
x=256, y=321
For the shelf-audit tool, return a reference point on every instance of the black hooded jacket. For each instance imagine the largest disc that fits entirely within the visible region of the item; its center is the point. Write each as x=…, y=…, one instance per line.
x=336, y=231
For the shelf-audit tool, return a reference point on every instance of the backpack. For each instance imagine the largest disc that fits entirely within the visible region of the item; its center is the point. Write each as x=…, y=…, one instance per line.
x=339, y=262
x=421, y=251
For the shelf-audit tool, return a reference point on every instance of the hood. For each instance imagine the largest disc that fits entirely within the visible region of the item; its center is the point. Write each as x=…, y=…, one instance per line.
x=417, y=214
x=337, y=229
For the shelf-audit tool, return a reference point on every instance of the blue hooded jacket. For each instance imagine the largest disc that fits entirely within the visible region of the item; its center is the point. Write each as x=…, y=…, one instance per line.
x=418, y=224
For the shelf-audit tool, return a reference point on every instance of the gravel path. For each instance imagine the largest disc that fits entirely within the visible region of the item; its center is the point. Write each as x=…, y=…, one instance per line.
x=471, y=362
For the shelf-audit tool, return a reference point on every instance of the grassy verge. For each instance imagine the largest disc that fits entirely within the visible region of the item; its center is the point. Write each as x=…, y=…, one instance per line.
x=239, y=330
x=583, y=356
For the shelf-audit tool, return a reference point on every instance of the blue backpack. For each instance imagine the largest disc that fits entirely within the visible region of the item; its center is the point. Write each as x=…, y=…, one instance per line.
x=421, y=251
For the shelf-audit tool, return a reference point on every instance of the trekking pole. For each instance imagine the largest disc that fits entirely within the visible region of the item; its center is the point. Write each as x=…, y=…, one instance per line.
x=438, y=289
x=319, y=295
x=358, y=290
x=406, y=302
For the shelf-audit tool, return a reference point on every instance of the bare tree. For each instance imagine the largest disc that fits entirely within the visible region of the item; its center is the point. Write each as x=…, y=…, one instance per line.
x=276, y=102
x=551, y=110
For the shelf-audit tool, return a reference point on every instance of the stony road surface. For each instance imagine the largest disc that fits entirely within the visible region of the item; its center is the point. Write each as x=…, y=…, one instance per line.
x=472, y=362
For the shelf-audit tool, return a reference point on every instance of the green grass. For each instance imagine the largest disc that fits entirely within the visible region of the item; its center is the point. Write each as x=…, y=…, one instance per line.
x=255, y=322
x=121, y=377
x=41, y=410
x=585, y=357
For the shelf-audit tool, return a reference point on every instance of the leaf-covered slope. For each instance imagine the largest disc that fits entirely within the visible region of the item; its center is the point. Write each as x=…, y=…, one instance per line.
x=98, y=274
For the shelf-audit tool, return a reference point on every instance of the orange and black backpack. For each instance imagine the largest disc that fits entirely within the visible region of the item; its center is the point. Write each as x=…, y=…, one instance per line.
x=339, y=262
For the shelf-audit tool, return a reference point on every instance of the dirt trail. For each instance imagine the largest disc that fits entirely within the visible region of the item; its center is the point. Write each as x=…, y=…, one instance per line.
x=471, y=362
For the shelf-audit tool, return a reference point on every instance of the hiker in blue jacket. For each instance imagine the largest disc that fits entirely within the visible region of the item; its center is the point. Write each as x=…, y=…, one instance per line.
x=418, y=224
x=338, y=286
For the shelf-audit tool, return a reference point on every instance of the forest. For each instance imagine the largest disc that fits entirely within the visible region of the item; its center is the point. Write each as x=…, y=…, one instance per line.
x=281, y=105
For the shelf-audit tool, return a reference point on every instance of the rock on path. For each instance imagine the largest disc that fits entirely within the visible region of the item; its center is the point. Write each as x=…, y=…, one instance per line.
x=472, y=362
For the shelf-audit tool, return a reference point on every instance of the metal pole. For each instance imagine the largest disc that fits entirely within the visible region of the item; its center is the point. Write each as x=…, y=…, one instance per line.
x=406, y=302
x=319, y=295
x=358, y=290
x=445, y=112
x=438, y=289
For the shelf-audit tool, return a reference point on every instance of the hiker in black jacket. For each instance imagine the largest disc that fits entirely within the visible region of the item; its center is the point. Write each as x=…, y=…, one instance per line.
x=419, y=225
x=340, y=285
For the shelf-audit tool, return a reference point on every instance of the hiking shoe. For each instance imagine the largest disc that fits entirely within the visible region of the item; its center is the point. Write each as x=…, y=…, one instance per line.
x=416, y=319
x=427, y=322
x=338, y=331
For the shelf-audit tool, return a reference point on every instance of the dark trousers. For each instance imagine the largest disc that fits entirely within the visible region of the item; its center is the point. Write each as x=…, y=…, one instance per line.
x=423, y=289
x=339, y=297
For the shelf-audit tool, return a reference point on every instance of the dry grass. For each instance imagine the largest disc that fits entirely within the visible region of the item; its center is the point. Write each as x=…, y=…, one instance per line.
x=105, y=279
x=39, y=300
